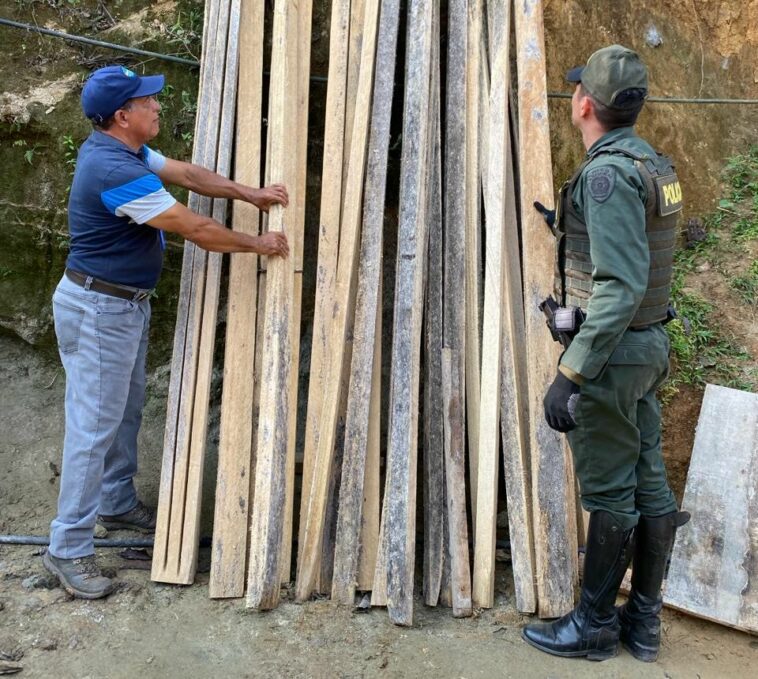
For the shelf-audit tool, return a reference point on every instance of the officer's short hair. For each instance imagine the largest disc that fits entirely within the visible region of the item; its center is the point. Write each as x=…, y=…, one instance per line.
x=612, y=118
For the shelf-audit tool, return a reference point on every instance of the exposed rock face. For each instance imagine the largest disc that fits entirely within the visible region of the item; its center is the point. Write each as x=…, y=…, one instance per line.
x=694, y=48
x=704, y=50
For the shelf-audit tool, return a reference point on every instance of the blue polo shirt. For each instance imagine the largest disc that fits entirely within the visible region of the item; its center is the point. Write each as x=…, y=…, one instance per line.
x=115, y=192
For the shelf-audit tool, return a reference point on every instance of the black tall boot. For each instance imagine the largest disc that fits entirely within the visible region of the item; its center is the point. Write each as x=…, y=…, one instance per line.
x=640, y=615
x=592, y=628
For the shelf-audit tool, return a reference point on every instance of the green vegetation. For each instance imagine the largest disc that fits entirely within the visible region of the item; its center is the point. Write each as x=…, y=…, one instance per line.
x=747, y=285
x=180, y=111
x=703, y=351
x=186, y=32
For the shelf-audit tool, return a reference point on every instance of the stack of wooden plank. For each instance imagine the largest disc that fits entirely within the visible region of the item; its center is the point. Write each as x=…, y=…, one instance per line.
x=472, y=260
x=260, y=376
x=177, y=531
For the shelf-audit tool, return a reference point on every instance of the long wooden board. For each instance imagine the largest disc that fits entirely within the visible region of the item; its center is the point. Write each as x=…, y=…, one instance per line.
x=177, y=526
x=200, y=413
x=713, y=569
x=228, y=555
x=300, y=44
x=455, y=477
x=172, y=470
x=409, y=286
x=455, y=204
x=328, y=247
x=514, y=423
x=435, y=545
x=552, y=474
x=309, y=562
x=326, y=555
x=495, y=207
x=266, y=526
x=365, y=377
x=369, y=539
x=328, y=242
x=473, y=245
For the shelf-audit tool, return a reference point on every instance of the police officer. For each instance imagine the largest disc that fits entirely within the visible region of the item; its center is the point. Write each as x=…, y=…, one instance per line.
x=118, y=210
x=616, y=230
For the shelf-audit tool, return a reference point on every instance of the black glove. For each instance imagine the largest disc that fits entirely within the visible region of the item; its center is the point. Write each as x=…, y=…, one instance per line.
x=560, y=403
x=547, y=215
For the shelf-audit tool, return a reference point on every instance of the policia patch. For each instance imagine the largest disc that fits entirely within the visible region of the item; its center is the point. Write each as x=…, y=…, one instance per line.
x=669, y=194
x=600, y=182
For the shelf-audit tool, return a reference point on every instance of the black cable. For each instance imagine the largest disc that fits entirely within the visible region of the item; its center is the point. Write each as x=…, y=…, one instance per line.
x=671, y=100
x=99, y=542
x=97, y=43
x=113, y=46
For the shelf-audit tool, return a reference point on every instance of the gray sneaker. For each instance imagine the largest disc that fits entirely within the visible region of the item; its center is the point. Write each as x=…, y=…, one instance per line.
x=80, y=577
x=141, y=518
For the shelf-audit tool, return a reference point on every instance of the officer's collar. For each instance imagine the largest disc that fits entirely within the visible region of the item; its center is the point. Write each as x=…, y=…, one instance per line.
x=611, y=137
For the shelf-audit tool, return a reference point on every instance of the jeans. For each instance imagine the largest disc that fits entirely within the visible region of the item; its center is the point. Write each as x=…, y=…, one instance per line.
x=102, y=341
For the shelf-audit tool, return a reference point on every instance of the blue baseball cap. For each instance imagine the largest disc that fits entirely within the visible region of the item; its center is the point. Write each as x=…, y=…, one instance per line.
x=110, y=87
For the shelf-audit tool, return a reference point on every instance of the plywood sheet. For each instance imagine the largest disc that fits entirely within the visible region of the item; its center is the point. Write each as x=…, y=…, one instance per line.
x=714, y=566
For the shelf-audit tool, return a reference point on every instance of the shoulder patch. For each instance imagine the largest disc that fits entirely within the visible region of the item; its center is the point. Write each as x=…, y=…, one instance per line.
x=601, y=182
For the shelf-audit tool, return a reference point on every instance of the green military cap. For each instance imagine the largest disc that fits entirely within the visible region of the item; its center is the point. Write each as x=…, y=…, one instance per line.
x=614, y=76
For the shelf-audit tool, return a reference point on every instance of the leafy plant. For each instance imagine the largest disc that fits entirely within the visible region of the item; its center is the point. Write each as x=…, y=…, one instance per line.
x=186, y=32
x=702, y=351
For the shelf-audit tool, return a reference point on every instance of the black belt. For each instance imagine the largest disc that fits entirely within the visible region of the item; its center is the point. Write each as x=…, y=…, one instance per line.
x=92, y=283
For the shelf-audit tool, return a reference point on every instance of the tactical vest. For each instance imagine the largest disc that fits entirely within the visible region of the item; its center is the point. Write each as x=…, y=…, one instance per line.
x=573, y=277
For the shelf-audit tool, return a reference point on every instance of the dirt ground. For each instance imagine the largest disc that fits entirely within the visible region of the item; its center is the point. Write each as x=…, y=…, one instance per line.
x=154, y=630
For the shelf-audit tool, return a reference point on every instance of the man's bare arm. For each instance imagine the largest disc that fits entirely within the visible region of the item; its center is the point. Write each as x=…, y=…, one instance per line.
x=210, y=235
x=207, y=183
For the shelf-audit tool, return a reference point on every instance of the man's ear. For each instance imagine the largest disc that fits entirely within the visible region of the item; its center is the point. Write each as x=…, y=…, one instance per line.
x=585, y=106
x=119, y=117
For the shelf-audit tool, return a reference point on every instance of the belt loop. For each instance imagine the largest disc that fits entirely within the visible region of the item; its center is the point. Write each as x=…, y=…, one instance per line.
x=88, y=283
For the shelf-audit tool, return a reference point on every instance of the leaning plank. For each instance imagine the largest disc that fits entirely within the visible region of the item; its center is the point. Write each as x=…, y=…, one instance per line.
x=329, y=229
x=191, y=530
x=552, y=476
x=364, y=372
x=411, y=256
x=312, y=533
x=379, y=587
x=235, y=453
x=473, y=245
x=454, y=292
x=324, y=580
x=355, y=42
x=370, y=514
x=435, y=547
x=514, y=425
x=327, y=550
x=169, y=533
x=298, y=175
x=454, y=301
x=227, y=577
x=266, y=526
x=712, y=572
x=193, y=350
x=486, y=495
x=455, y=475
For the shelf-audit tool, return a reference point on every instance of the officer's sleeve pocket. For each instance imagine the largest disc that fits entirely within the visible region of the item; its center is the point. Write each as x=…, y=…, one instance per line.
x=630, y=354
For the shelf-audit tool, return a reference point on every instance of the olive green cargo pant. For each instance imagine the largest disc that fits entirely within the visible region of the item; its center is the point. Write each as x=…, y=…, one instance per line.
x=617, y=440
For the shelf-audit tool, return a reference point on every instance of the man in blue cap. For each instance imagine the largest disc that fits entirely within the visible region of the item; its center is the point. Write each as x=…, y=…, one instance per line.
x=118, y=210
x=616, y=231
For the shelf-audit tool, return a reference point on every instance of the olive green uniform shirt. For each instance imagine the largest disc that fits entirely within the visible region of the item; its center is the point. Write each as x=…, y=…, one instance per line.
x=618, y=250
